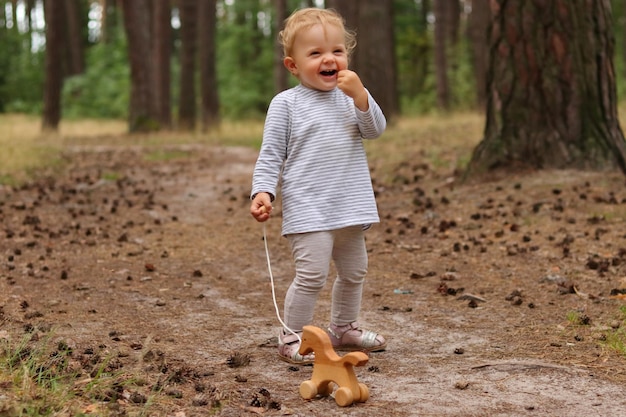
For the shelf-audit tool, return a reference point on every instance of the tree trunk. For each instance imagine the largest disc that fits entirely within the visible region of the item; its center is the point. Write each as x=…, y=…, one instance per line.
x=552, y=94
x=441, y=54
x=281, y=74
x=141, y=114
x=478, y=24
x=161, y=54
x=104, y=21
x=208, y=75
x=623, y=24
x=349, y=10
x=453, y=20
x=74, y=38
x=14, y=17
x=375, y=57
x=30, y=5
x=188, y=37
x=54, y=66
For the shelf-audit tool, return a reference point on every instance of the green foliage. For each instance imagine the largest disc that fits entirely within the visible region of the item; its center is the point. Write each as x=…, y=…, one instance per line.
x=21, y=74
x=416, y=70
x=245, y=47
x=462, y=78
x=244, y=61
x=414, y=49
x=103, y=90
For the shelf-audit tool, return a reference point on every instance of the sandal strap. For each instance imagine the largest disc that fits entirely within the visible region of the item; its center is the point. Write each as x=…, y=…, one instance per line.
x=289, y=338
x=369, y=339
x=289, y=349
x=364, y=339
x=353, y=326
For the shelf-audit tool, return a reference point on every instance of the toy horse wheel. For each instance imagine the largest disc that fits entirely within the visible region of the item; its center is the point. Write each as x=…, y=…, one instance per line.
x=308, y=390
x=365, y=394
x=344, y=397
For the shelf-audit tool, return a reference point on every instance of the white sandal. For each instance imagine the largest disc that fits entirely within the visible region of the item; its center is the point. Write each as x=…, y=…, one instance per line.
x=350, y=337
x=288, y=349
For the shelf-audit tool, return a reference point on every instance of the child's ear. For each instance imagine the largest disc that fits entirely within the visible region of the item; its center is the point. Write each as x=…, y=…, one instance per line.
x=290, y=64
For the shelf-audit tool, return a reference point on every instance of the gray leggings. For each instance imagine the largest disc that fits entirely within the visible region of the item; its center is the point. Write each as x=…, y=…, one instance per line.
x=312, y=253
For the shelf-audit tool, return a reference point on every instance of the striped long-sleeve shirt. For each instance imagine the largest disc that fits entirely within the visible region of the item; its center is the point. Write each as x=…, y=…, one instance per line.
x=313, y=146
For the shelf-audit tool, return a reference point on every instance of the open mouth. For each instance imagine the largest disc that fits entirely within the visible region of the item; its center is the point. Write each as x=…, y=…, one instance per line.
x=328, y=73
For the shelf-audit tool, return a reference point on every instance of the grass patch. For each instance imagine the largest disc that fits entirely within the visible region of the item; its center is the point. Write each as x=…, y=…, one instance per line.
x=578, y=319
x=37, y=380
x=161, y=155
x=615, y=339
x=111, y=176
x=43, y=377
x=27, y=152
x=442, y=140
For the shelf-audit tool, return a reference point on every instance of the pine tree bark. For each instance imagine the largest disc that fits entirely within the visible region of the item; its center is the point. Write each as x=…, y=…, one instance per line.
x=552, y=100
x=141, y=114
x=161, y=54
x=74, y=38
x=208, y=74
x=477, y=33
x=188, y=34
x=54, y=66
x=374, y=59
x=441, y=53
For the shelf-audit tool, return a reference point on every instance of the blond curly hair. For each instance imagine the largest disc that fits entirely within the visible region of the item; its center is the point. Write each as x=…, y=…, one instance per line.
x=306, y=18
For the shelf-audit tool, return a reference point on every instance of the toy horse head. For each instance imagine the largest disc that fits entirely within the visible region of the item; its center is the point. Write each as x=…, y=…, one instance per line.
x=314, y=337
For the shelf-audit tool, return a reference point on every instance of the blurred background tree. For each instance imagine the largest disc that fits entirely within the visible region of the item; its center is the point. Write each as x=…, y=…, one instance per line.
x=199, y=62
x=237, y=44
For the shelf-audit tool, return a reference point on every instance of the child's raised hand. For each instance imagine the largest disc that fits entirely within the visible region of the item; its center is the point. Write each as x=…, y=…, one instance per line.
x=350, y=83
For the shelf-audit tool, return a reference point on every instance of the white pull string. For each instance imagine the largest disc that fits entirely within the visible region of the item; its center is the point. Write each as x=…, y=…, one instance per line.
x=269, y=268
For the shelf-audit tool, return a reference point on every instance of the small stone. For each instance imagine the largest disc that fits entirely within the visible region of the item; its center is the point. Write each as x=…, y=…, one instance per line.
x=461, y=385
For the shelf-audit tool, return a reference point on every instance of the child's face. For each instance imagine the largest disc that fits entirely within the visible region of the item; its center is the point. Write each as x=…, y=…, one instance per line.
x=319, y=53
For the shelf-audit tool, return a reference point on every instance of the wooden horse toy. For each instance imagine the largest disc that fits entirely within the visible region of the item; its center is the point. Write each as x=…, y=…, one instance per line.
x=329, y=368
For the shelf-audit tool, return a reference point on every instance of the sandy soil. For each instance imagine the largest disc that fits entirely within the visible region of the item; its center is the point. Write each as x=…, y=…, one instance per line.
x=500, y=298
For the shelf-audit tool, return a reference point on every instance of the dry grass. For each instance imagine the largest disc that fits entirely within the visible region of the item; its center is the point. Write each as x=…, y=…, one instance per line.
x=26, y=150
x=445, y=140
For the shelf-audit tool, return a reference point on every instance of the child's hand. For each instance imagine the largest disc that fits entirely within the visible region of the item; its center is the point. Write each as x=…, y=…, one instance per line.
x=350, y=83
x=261, y=207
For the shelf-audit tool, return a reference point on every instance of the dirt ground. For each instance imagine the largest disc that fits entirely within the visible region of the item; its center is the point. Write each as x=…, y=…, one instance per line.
x=497, y=299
